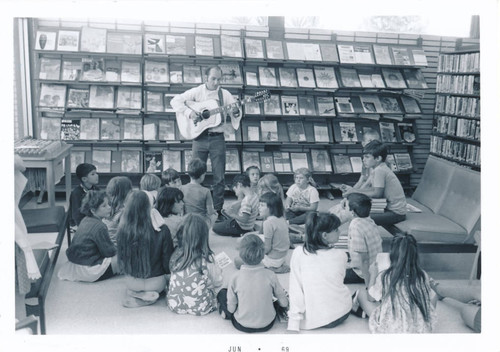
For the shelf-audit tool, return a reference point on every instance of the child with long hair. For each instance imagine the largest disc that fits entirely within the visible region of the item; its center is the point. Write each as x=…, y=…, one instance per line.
x=195, y=277
x=318, y=296
x=91, y=254
x=406, y=303
x=253, y=173
x=149, y=184
x=143, y=253
x=270, y=183
x=117, y=190
x=170, y=205
x=302, y=197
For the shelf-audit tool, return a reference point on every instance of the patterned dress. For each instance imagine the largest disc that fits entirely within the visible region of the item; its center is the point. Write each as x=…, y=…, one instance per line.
x=192, y=292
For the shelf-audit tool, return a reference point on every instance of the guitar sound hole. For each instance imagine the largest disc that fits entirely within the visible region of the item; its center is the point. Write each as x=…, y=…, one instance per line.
x=205, y=114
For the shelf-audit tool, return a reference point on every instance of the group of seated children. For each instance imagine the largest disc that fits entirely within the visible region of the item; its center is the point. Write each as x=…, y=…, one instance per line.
x=146, y=236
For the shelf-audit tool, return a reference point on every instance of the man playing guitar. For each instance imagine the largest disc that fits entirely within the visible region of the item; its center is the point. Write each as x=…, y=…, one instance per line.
x=211, y=141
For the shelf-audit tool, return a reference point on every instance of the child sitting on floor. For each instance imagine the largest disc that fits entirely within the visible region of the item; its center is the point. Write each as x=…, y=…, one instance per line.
x=143, y=253
x=243, y=220
x=253, y=173
x=195, y=277
x=87, y=174
x=248, y=300
x=363, y=242
x=149, y=184
x=117, y=190
x=198, y=199
x=406, y=302
x=91, y=254
x=170, y=205
x=270, y=183
x=302, y=197
x=171, y=178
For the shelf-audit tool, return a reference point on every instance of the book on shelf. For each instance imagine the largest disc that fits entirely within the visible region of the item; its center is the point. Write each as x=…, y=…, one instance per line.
x=171, y=159
x=70, y=130
x=278, y=164
x=204, y=46
x=131, y=161
x=269, y=131
x=166, y=130
x=363, y=54
x=320, y=160
x=77, y=157
x=110, y=129
x=102, y=97
x=326, y=106
x=45, y=40
x=267, y=76
x=272, y=106
x=303, y=51
x=176, y=73
x=410, y=105
x=149, y=129
x=401, y=56
x=71, y=70
x=347, y=132
x=414, y=78
x=390, y=105
x=89, y=128
x=231, y=74
x=305, y=78
x=229, y=135
x=154, y=101
x=153, y=161
x=102, y=160
x=342, y=164
x=407, y=132
x=50, y=128
x=78, y=98
x=254, y=48
x=156, y=72
x=371, y=103
x=391, y=162
x=92, y=69
x=230, y=46
x=253, y=133
x=192, y=74
x=176, y=44
x=124, y=43
x=251, y=78
x=403, y=161
x=250, y=158
x=296, y=131
x=154, y=43
x=288, y=77
x=132, y=128
x=356, y=163
x=274, y=49
x=299, y=161
x=131, y=71
x=382, y=55
x=325, y=77
x=167, y=98
x=116, y=161
x=289, y=105
x=129, y=98
x=419, y=57
x=252, y=108
x=349, y=78
x=306, y=105
x=112, y=71
x=387, y=132
x=52, y=95
x=232, y=160
x=50, y=68
x=367, y=127
x=344, y=105
x=266, y=162
x=188, y=155
x=282, y=161
x=321, y=132
x=393, y=78
x=93, y=40
x=346, y=54
x=371, y=80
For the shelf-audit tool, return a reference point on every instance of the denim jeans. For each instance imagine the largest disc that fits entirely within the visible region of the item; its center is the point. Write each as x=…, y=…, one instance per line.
x=216, y=147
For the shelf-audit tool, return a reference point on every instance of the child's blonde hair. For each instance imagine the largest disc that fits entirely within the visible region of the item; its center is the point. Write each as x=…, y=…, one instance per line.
x=150, y=182
x=307, y=174
x=270, y=183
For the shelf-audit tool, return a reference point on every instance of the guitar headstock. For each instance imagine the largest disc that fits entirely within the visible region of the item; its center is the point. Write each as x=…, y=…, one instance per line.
x=261, y=96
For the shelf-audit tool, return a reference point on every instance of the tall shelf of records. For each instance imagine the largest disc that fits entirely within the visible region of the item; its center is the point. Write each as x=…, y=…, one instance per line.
x=457, y=124
x=108, y=93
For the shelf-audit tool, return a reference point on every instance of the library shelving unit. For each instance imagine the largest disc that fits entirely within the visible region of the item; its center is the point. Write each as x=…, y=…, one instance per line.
x=456, y=130
x=107, y=91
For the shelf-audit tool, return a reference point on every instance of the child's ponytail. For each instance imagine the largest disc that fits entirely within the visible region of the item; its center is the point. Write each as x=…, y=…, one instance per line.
x=316, y=225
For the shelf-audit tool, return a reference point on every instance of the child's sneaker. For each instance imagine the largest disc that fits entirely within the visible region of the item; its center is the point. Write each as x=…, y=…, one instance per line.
x=356, y=308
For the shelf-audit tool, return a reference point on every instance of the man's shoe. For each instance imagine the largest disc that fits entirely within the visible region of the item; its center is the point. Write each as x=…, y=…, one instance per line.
x=220, y=217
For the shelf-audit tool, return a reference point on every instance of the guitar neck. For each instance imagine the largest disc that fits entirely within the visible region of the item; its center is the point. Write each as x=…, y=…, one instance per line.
x=227, y=108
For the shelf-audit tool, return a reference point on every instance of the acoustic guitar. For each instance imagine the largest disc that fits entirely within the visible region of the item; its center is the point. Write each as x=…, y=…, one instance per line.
x=209, y=114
